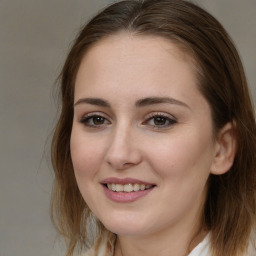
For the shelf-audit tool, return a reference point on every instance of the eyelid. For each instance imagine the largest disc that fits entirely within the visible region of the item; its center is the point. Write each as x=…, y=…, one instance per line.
x=162, y=114
x=92, y=114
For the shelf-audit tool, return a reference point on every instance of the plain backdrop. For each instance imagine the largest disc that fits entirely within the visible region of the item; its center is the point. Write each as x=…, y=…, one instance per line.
x=35, y=36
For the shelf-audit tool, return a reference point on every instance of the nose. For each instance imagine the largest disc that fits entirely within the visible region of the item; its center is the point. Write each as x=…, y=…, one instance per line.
x=123, y=151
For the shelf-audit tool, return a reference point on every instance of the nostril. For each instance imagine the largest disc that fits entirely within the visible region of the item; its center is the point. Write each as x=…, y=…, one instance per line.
x=118, y=164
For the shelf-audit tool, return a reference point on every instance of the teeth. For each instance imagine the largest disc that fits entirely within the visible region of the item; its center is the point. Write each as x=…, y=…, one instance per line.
x=119, y=188
x=128, y=187
x=136, y=187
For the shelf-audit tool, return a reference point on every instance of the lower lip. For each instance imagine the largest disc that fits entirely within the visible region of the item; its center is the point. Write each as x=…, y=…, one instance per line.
x=126, y=197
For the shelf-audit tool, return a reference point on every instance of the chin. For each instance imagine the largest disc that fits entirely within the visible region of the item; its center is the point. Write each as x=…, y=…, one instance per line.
x=127, y=230
x=125, y=227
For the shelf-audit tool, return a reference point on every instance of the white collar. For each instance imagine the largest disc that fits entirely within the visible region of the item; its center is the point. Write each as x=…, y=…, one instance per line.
x=203, y=248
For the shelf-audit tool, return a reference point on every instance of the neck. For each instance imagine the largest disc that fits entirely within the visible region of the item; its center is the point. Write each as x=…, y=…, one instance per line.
x=175, y=244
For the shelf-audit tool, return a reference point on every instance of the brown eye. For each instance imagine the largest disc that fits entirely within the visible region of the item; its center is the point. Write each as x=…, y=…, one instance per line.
x=94, y=121
x=160, y=121
x=98, y=120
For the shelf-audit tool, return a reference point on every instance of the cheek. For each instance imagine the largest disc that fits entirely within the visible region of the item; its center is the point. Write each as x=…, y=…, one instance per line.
x=85, y=155
x=183, y=166
x=183, y=157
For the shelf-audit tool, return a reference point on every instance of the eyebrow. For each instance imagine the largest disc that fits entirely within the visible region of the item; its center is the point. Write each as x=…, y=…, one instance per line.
x=93, y=101
x=139, y=103
x=159, y=100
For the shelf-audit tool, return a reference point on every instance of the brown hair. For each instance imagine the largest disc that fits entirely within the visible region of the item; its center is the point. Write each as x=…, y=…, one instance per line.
x=230, y=206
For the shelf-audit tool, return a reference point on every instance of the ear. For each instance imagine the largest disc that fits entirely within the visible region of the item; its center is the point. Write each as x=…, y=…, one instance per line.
x=225, y=149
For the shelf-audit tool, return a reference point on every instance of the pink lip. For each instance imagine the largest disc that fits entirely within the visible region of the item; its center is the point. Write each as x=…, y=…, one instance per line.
x=124, y=197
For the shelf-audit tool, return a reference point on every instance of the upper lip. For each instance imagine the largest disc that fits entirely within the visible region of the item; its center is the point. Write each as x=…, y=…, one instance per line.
x=123, y=181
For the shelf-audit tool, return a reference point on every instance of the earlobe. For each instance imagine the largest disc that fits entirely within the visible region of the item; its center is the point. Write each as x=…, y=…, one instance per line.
x=225, y=149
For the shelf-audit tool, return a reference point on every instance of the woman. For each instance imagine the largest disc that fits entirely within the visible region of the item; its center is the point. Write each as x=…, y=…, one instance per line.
x=154, y=149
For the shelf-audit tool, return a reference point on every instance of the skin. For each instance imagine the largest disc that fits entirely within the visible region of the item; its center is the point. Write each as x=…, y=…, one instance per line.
x=176, y=156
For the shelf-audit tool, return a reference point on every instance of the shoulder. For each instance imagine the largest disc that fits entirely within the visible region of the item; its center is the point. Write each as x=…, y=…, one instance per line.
x=203, y=248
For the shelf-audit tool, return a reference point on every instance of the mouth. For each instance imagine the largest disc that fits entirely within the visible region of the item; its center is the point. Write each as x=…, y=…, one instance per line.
x=128, y=188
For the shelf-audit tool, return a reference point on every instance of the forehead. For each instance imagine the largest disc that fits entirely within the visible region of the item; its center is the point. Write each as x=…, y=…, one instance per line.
x=131, y=56
x=128, y=43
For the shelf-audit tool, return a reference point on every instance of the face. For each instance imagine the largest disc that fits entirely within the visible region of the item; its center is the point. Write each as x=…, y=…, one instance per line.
x=142, y=139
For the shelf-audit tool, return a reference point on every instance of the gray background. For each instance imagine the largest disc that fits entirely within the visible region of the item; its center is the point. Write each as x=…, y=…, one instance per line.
x=34, y=39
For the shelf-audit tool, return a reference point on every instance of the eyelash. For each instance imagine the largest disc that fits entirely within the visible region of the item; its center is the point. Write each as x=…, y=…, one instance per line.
x=87, y=119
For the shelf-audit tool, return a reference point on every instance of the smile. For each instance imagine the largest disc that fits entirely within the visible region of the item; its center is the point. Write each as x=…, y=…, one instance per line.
x=128, y=187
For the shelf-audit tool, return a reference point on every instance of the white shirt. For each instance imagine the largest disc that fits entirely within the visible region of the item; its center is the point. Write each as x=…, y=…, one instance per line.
x=203, y=248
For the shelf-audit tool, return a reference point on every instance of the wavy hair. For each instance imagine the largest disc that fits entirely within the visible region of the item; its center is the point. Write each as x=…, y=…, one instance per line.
x=230, y=206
